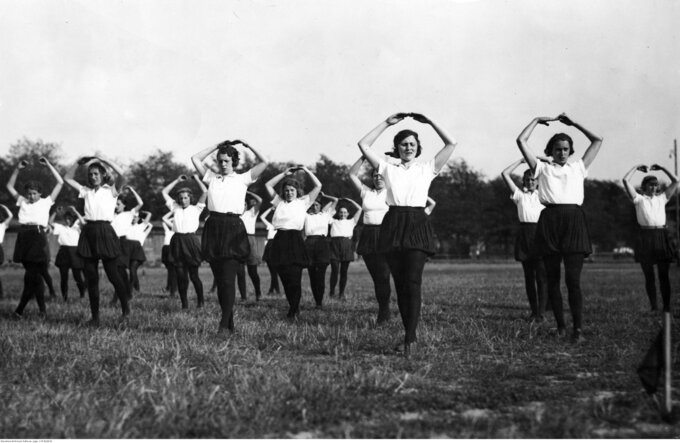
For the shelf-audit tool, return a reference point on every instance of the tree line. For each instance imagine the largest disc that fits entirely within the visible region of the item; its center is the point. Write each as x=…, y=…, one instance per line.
x=474, y=215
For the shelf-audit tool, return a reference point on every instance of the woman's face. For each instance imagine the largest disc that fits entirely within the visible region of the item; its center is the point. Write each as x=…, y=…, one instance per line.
x=225, y=164
x=560, y=152
x=343, y=213
x=651, y=188
x=94, y=177
x=529, y=182
x=408, y=148
x=378, y=181
x=120, y=206
x=184, y=200
x=289, y=193
x=32, y=195
x=315, y=208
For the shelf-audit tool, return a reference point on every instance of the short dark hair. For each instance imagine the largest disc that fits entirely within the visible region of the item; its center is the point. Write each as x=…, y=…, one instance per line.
x=558, y=138
x=33, y=185
x=289, y=181
x=647, y=179
x=102, y=170
x=227, y=148
x=401, y=135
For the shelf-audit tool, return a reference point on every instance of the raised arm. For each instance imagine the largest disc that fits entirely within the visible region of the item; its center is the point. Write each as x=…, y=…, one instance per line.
x=595, y=140
x=259, y=168
x=198, y=159
x=445, y=153
x=166, y=190
x=330, y=206
x=506, y=174
x=523, y=138
x=71, y=172
x=167, y=219
x=8, y=213
x=139, y=200
x=357, y=214
x=673, y=187
x=429, y=207
x=81, y=219
x=630, y=189
x=354, y=173
x=204, y=191
x=271, y=184
x=50, y=221
x=264, y=215
x=60, y=181
x=367, y=141
x=147, y=216
x=13, y=179
x=259, y=201
x=120, y=177
x=314, y=193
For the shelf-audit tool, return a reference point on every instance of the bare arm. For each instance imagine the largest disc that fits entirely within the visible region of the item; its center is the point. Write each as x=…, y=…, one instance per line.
x=147, y=216
x=429, y=207
x=354, y=173
x=198, y=159
x=70, y=174
x=506, y=174
x=166, y=190
x=204, y=191
x=13, y=180
x=166, y=219
x=445, y=153
x=630, y=189
x=60, y=181
x=78, y=214
x=367, y=141
x=358, y=212
x=330, y=206
x=259, y=201
x=314, y=193
x=264, y=215
x=673, y=187
x=259, y=168
x=8, y=213
x=595, y=141
x=140, y=202
x=269, y=186
x=523, y=138
x=120, y=177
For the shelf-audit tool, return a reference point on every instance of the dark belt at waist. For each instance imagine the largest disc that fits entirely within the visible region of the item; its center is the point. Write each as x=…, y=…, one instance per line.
x=32, y=228
x=566, y=205
x=407, y=208
x=316, y=236
x=652, y=227
x=97, y=222
x=224, y=214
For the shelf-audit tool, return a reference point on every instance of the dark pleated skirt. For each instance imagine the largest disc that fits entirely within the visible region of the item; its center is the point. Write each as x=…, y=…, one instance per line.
x=137, y=251
x=125, y=250
x=318, y=249
x=98, y=240
x=368, y=240
x=562, y=229
x=342, y=249
x=653, y=246
x=185, y=250
x=404, y=228
x=266, y=255
x=524, y=243
x=254, y=257
x=31, y=245
x=288, y=248
x=224, y=237
x=2, y=254
x=67, y=257
x=165, y=254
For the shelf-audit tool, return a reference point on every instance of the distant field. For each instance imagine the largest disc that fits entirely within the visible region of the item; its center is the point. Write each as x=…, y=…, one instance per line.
x=481, y=370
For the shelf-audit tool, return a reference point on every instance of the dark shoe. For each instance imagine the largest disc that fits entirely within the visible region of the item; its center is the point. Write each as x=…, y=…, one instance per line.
x=561, y=332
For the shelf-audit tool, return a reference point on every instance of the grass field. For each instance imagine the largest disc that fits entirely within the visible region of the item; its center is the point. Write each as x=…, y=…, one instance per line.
x=480, y=371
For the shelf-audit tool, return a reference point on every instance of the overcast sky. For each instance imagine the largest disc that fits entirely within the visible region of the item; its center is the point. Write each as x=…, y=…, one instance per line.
x=302, y=77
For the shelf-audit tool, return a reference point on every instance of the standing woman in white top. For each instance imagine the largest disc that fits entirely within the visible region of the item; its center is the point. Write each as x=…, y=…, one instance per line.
x=529, y=210
x=266, y=254
x=406, y=236
x=168, y=233
x=562, y=232
x=288, y=252
x=3, y=228
x=98, y=240
x=374, y=207
x=67, y=258
x=317, y=244
x=185, y=248
x=224, y=243
x=137, y=234
x=652, y=245
x=249, y=217
x=31, y=249
x=342, y=247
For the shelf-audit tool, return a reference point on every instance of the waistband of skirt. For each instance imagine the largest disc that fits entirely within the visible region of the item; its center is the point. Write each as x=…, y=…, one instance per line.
x=528, y=223
x=561, y=206
x=32, y=228
x=97, y=222
x=316, y=236
x=224, y=214
x=652, y=227
x=407, y=209
x=371, y=226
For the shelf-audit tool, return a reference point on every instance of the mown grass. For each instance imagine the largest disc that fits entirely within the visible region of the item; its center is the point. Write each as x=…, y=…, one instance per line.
x=480, y=370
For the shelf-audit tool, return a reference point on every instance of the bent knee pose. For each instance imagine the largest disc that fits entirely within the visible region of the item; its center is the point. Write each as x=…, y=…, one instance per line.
x=3, y=228
x=67, y=258
x=288, y=252
x=249, y=217
x=171, y=280
x=185, y=248
x=562, y=232
x=31, y=248
x=224, y=243
x=528, y=211
x=406, y=236
x=98, y=240
x=317, y=244
x=653, y=246
x=137, y=234
x=266, y=254
x=342, y=246
x=374, y=208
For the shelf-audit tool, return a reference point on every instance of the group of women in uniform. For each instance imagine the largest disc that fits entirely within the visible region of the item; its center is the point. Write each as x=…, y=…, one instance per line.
x=396, y=237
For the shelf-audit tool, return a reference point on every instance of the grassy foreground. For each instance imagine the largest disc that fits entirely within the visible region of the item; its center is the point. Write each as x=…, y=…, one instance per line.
x=480, y=371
